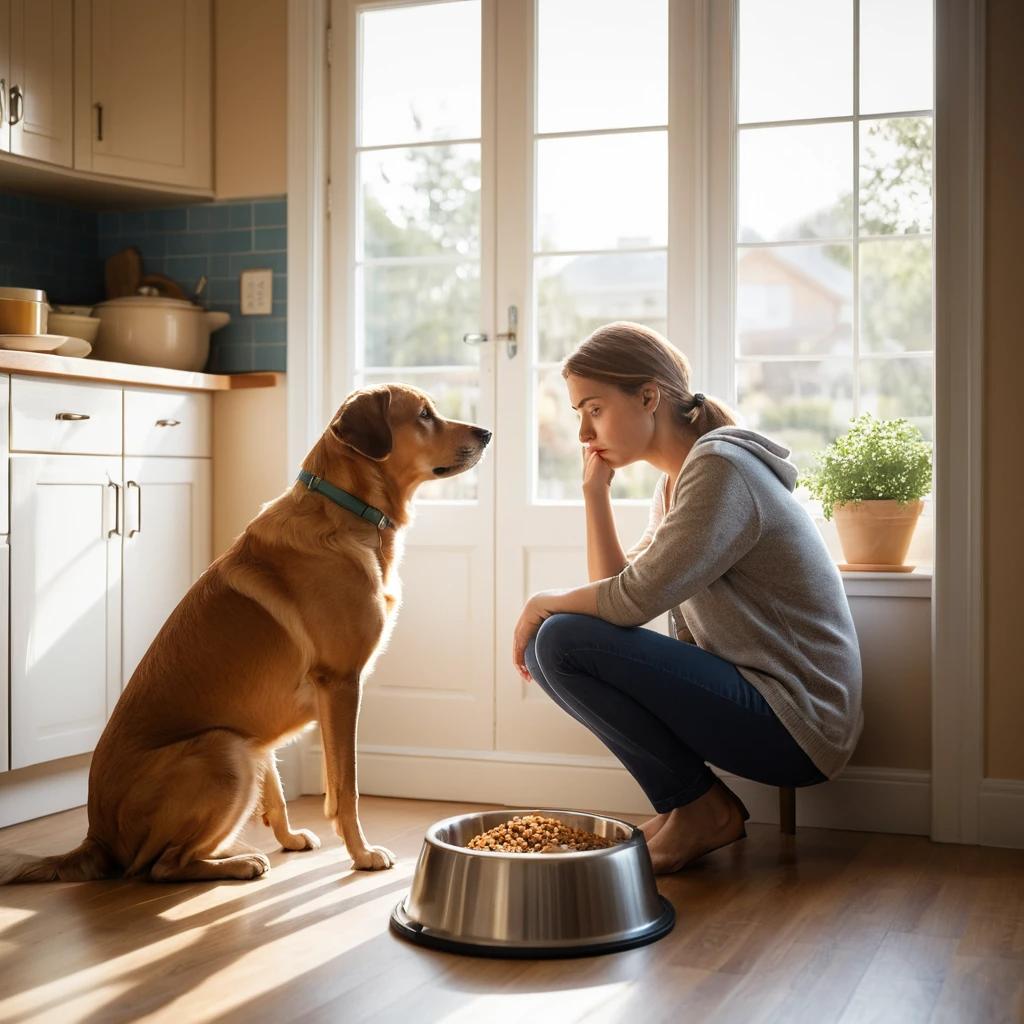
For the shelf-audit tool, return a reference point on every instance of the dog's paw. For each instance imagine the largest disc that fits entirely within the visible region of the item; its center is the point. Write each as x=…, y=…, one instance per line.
x=254, y=865
x=301, y=839
x=374, y=858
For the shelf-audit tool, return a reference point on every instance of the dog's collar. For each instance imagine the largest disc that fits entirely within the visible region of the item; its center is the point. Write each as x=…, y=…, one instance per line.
x=345, y=500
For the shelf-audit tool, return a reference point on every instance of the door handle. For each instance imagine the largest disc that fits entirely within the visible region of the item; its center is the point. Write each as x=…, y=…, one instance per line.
x=71, y=416
x=510, y=337
x=17, y=104
x=167, y=423
x=138, y=507
x=117, y=509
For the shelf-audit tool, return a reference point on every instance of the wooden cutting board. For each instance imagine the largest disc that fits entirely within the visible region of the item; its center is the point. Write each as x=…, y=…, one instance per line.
x=123, y=273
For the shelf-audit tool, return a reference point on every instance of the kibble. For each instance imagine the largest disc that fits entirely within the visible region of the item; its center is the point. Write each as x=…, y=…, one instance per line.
x=533, y=833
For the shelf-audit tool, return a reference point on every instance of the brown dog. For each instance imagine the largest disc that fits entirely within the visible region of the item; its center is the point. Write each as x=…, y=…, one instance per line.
x=280, y=631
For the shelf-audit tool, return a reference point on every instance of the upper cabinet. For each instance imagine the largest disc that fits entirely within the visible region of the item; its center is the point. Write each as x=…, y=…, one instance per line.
x=35, y=67
x=142, y=90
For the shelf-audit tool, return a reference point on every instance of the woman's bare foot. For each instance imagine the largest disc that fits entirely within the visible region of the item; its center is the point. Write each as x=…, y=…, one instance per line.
x=652, y=826
x=709, y=822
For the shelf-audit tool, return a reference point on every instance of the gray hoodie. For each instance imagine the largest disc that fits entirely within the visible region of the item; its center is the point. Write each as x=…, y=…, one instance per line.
x=747, y=576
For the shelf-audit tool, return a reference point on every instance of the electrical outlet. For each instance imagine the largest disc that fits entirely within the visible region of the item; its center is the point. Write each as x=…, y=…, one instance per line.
x=257, y=292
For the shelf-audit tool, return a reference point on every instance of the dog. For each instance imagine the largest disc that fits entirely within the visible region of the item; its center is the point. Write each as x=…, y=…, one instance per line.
x=280, y=631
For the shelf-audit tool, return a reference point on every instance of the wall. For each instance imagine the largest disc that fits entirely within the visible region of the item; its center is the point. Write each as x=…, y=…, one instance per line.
x=1004, y=375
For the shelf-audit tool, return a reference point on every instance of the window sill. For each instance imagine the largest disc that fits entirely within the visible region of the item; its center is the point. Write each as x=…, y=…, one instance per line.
x=889, y=584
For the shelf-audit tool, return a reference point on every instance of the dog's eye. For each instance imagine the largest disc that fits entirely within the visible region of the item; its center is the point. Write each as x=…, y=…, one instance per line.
x=426, y=414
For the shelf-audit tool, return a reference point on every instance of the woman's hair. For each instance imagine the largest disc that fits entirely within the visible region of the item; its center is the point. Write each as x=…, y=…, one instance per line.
x=630, y=355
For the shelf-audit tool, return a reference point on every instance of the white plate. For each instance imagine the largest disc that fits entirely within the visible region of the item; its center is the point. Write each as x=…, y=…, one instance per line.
x=34, y=342
x=78, y=347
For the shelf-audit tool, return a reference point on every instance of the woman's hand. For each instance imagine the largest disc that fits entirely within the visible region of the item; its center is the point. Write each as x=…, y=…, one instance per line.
x=597, y=474
x=535, y=611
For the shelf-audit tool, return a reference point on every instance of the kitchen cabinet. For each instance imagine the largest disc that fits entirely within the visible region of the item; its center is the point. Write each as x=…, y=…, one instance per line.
x=66, y=521
x=167, y=516
x=35, y=68
x=142, y=93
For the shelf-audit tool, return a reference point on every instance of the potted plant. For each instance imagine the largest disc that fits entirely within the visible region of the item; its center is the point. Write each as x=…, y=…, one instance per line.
x=872, y=479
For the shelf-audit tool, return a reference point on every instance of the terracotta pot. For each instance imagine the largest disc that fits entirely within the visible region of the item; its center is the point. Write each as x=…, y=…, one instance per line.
x=876, y=533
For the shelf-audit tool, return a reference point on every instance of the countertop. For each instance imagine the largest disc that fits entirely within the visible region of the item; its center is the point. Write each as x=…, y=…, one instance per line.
x=42, y=364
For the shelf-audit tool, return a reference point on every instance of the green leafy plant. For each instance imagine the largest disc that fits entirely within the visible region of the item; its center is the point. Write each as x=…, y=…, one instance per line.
x=874, y=460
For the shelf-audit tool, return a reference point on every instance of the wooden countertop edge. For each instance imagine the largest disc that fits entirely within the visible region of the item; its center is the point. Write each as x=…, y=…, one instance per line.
x=44, y=364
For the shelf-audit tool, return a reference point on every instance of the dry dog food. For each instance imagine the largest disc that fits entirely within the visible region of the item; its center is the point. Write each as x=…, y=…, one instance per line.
x=533, y=833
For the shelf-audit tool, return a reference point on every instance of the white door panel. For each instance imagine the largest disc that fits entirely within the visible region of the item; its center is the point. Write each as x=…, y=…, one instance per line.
x=65, y=603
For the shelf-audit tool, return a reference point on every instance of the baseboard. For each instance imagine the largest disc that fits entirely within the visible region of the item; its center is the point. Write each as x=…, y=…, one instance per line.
x=863, y=799
x=1001, y=813
x=43, y=789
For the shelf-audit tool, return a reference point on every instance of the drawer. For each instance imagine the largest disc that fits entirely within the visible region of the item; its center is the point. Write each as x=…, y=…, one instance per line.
x=166, y=423
x=55, y=416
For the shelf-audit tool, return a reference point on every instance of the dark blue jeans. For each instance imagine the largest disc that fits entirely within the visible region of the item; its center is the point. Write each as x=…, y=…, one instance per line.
x=664, y=708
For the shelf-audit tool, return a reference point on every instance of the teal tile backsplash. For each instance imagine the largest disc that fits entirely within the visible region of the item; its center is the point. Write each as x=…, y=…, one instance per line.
x=62, y=249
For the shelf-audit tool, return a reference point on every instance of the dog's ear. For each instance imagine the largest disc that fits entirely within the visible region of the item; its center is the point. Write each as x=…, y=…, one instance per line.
x=362, y=423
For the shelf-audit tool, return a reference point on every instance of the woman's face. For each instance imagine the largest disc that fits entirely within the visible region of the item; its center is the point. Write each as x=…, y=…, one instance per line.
x=618, y=425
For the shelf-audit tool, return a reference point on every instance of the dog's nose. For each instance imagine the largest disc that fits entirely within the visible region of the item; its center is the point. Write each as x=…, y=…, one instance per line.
x=484, y=435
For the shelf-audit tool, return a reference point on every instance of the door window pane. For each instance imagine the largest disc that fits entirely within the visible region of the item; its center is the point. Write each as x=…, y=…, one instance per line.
x=423, y=201
x=895, y=55
x=601, y=64
x=420, y=73
x=796, y=182
x=602, y=192
x=785, y=46
x=794, y=300
x=576, y=294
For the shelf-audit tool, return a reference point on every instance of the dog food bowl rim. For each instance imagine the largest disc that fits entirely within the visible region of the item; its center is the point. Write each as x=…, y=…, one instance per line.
x=431, y=834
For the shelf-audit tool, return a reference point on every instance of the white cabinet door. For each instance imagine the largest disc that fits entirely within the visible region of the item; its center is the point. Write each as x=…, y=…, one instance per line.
x=167, y=537
x=142, y=90
x=41, y=121
x=65, y=603
x=5, y=603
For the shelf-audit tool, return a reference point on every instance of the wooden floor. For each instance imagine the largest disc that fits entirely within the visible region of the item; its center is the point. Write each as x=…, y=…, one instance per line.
x=829, y=926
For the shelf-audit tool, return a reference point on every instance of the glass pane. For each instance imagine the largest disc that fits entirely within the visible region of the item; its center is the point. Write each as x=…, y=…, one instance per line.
x=783, y=47
x=796, y=182
x=794, y=300
x=576, y=294
x=420, y=73
x=421, y=202
x=896, y=296
x=559, y=453
x=804, y=405
x=602, y=192
x=896, y=176
x=601, y=64
x=457, y=396
x=416, y=314
x=895, y=55
x=899, y=387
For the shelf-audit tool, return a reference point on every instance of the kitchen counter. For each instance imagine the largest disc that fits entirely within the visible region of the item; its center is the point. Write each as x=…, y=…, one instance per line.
x=44, y=364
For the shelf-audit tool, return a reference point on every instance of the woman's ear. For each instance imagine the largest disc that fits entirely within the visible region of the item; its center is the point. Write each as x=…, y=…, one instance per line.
x=362, y=423
x=650, y=396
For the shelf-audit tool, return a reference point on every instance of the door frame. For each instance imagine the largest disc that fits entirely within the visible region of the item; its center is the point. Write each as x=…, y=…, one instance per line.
x=957, y=712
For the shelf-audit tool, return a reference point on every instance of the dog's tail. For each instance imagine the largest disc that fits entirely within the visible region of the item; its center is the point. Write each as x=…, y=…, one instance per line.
x=87, y=862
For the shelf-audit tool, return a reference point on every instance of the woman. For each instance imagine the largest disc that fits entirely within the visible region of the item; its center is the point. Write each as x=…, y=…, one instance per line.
x=767, y=680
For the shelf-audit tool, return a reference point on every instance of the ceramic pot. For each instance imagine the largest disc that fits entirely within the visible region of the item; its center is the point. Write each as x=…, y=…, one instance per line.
x=876, y=533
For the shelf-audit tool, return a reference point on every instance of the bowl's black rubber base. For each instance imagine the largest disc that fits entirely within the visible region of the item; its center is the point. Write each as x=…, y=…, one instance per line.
x=408, y=929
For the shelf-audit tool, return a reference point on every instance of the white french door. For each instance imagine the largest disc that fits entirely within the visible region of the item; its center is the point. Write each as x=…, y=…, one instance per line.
x=477, y=189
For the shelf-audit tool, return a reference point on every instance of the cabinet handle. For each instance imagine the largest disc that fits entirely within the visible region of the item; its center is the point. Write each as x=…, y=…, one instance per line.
x=138, y=507
x=117, y=509
x=168, y=423
x=17, y=104
x=72, y=416
x=99, y=121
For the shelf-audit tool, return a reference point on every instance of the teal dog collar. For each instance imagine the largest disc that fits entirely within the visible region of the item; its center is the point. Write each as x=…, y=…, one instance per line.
x=345, y=500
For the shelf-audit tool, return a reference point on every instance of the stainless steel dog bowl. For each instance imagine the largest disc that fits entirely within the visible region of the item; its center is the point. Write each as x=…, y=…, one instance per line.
x=532, y=904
